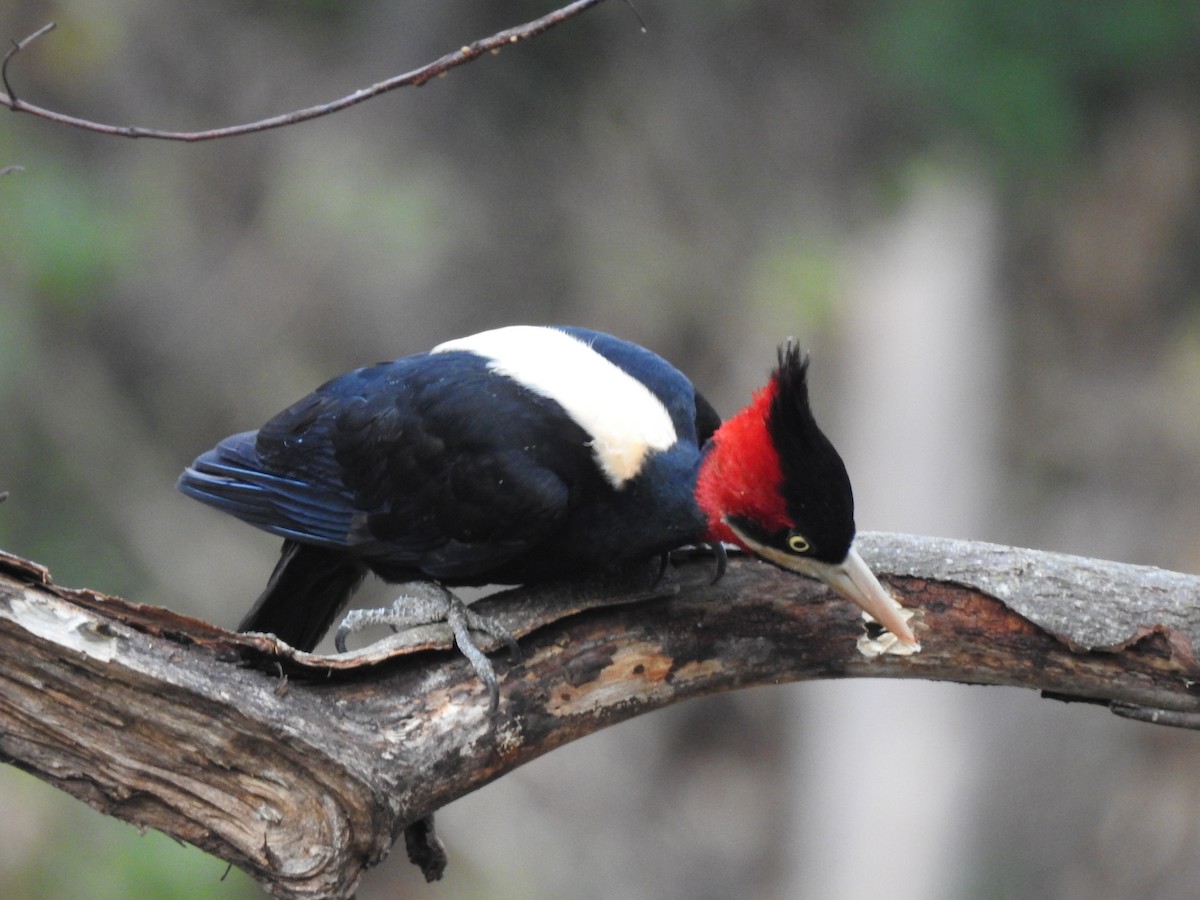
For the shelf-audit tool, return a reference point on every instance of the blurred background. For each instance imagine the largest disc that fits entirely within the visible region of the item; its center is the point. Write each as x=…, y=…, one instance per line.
x=983, y=220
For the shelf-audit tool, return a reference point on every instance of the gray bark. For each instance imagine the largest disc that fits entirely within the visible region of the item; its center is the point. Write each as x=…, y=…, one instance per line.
x=303, y=770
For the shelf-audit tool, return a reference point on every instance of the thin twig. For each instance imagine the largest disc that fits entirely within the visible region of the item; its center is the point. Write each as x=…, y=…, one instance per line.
x=17, y=47
x=637, y=15
x=416, y=77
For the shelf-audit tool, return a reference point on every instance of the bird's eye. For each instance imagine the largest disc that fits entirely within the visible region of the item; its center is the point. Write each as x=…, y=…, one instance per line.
x=797, y=543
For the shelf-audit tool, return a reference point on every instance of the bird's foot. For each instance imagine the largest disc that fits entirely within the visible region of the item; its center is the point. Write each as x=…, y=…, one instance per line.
x=716, y=548
x=428, y=603
x=722, y=558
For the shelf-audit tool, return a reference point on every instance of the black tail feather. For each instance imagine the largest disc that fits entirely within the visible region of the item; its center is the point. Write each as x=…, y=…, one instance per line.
x=308, y=589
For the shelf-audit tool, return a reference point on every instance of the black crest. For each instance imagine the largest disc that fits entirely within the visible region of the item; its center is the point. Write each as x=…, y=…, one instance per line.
x=816, y=488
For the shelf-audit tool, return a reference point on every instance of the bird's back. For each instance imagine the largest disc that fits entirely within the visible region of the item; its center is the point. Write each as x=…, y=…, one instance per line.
x=439, y=465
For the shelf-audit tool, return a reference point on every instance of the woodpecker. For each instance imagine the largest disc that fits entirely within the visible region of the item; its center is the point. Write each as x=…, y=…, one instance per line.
x=519, y=455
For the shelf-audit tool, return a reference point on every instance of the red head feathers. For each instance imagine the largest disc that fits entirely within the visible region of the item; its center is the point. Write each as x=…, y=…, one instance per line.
x=774, y=484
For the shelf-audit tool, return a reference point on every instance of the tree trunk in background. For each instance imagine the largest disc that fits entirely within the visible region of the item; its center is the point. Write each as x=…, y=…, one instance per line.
x=885, y=772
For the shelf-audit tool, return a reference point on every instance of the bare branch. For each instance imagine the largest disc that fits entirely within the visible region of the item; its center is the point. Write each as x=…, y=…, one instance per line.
x=415, y=78
x=303, y=770
x=17, y=47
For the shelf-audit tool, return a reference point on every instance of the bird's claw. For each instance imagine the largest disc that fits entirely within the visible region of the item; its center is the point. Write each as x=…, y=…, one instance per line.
x=462, y=621
x=431, y=604
x=664, y=560
x=720, y=555
x=357, y=620
x=722, y=558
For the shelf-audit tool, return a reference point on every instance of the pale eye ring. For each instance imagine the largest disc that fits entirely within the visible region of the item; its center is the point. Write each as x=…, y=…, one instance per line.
x=797, y=543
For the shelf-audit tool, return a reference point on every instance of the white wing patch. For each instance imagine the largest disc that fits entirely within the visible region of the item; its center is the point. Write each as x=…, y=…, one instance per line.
x=624, y=418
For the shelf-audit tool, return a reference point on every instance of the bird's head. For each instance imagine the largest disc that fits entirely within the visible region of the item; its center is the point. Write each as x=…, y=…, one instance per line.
x=772, y=483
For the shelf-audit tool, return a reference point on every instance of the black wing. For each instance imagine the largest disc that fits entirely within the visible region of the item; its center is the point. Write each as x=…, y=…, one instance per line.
x=430, y=463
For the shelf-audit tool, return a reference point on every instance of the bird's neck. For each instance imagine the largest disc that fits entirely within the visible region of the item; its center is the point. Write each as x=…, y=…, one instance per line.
x=740, y=473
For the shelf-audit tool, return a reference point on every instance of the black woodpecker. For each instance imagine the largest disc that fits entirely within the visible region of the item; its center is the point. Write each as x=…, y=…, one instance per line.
x=524, y=454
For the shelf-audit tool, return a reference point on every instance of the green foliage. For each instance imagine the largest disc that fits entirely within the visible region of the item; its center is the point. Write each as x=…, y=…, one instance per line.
x=60, y=239
x=1026, y=78
x=114, y=860
x=62, y=246
x=799, y=274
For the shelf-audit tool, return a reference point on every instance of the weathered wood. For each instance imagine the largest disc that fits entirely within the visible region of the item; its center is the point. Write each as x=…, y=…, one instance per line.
x=303, y=770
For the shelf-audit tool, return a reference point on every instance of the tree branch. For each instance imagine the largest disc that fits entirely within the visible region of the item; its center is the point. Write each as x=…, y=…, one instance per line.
x=416, y=78
x=304, y=769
